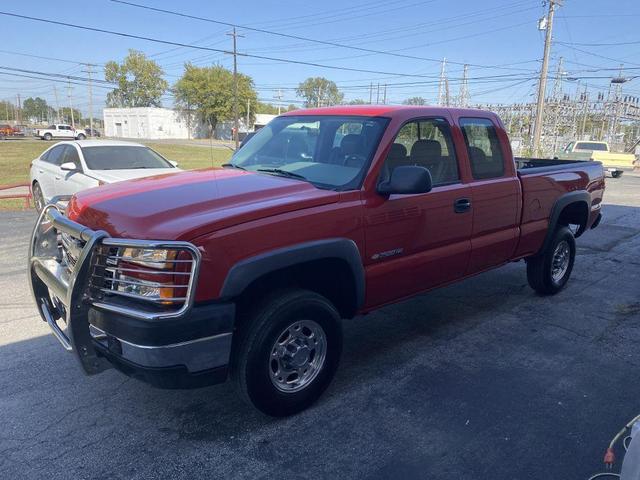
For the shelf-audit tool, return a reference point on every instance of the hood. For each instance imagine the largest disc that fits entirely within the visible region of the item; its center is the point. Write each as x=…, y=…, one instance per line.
x=111, y=176
x=185, y=205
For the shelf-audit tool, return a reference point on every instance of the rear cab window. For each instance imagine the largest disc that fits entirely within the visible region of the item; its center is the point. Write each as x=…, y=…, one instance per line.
x=593, y=146
x=483, y=148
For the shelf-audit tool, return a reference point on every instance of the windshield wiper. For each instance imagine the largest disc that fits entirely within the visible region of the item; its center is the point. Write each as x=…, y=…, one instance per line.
x=233, y=166
x=283, y=173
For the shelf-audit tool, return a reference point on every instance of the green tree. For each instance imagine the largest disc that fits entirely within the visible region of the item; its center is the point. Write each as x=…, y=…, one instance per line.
x=208, y=92
x=357, y=101
x=36, y=109
x=319, y=92
x=267, y=108
x=139, y=80
x=415, y=101
x=65, y=116
x=7, y=110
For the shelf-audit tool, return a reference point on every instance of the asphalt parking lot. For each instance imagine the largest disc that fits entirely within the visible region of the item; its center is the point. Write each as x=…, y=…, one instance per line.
x=480, y=380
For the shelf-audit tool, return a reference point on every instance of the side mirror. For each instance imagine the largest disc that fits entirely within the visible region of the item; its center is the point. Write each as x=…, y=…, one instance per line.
x=174, y=163
x=407, y=180
x=69, y=167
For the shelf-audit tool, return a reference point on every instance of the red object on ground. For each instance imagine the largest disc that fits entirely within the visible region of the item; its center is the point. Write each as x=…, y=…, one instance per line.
x=18, y=190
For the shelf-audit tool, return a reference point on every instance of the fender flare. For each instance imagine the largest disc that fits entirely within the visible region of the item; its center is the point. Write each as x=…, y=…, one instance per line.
x=561, y=203
x=243, y=273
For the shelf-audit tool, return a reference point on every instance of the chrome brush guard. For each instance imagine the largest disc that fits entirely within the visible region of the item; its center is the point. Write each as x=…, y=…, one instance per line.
x=73, y=269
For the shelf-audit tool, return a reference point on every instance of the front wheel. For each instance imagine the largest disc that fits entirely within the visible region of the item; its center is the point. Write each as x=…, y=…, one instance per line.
x=288, y=352
x=38, y=198
x=616, y=174
x=47, y=137
x=81, y=136
x=549, y=271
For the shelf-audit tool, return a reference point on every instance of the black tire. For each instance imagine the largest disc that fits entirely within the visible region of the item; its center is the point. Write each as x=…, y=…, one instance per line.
x=81, y=136
x=254, y=352
x=38, y=198
x=540, y=269
x=616, y=174
x=47, y=137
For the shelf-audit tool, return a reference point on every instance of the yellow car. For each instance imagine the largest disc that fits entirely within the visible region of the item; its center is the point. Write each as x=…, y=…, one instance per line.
x=599, y=151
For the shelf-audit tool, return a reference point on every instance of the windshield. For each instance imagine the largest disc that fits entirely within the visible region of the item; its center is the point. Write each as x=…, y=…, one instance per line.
x=328, y=151
x=602, y=147
x=122, y=157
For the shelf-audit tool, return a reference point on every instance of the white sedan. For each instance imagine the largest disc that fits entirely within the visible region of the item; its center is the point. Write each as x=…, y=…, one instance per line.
x=69, y=167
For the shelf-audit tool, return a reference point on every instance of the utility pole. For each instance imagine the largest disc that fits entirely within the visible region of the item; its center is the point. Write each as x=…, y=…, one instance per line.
x=384, y=98
x=89, y=72
x=278, y=96
x=442, y=82
x=55, y=93
x=585, y=109
x=378, y=95
x=370, y=93
x=19, y=110
x=246, y=125
x=542, y=85
x=236, y=120
x=464, y=99
x=73, y=121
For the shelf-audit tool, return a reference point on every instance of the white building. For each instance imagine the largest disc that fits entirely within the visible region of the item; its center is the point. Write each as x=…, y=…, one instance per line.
x=147, y=122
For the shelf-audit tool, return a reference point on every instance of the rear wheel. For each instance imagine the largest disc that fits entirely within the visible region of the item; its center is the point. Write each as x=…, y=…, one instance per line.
x=38, y=198
x=549, y=271
x=47, y=137
x=616, y=174
x=288, y=352
x=81, y=136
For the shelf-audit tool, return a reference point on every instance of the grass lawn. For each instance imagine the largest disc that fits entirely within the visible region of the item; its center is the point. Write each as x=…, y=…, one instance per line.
x=16, y=157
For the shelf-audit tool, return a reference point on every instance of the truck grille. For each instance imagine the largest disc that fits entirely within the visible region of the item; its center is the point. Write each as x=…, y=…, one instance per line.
x=71, y=249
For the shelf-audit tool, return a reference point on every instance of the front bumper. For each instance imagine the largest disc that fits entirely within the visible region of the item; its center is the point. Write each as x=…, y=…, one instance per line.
x=184, y=347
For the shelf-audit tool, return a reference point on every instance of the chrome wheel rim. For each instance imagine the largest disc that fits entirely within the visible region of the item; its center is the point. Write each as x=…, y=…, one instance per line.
x=297, y=356
x=37, y=198
x=560, y=262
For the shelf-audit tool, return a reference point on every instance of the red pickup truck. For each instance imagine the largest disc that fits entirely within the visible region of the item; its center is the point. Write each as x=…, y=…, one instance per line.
x=246, y=271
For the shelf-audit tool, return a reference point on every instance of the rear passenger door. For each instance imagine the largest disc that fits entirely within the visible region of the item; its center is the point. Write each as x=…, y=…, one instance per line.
x=496, y=195
x=416, y=242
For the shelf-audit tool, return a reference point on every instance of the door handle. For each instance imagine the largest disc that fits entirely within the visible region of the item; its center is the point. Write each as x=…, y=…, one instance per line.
x=40, y=171
x=57, y=177
x=462, y=205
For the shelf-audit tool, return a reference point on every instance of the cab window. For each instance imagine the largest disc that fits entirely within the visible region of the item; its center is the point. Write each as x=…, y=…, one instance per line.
x=71, y=155
x=426, y=143
x=483, y=148
x=55, y=155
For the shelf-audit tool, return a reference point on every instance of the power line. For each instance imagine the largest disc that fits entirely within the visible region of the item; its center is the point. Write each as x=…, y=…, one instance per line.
x=286, y=35
x=197, y=47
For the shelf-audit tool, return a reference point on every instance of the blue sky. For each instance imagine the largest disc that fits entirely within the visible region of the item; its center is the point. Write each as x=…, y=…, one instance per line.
x=498, y=38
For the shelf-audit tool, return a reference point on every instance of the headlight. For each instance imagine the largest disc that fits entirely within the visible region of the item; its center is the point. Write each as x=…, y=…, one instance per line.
x=143, y=288
x=150, y=257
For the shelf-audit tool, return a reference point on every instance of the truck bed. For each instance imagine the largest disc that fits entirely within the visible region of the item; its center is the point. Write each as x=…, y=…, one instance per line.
x=528, y=166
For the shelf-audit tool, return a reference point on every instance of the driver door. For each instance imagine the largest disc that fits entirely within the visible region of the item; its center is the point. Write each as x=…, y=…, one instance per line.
x=67, y=182
x=417, y=242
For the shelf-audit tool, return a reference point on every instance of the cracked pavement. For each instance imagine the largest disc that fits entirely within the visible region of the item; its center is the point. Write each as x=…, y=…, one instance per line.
x=482, y=379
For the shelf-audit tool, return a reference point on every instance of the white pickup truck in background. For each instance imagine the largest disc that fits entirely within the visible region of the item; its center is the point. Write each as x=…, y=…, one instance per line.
x=60, y=130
